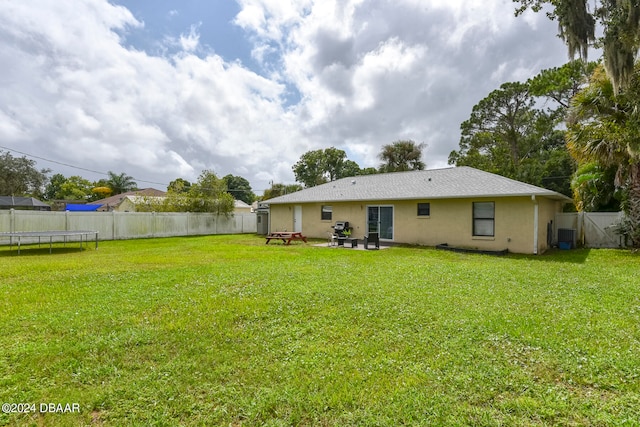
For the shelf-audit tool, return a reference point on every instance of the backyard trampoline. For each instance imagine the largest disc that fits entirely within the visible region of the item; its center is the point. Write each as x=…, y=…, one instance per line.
x=31, y=237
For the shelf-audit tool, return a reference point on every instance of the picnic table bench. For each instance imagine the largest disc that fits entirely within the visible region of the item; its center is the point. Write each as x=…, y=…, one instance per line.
x=285, y=236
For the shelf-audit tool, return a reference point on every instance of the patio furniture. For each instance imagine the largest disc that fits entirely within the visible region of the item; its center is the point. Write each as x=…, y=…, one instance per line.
x=332, y=239
x=343, y=241
x=372, y=239
x=285, y=236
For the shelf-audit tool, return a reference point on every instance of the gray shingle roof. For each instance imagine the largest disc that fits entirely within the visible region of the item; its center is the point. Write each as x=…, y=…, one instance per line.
x=457, y=182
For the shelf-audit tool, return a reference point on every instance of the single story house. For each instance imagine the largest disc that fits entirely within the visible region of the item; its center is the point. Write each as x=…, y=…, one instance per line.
x=460, y=206
x=126, y=202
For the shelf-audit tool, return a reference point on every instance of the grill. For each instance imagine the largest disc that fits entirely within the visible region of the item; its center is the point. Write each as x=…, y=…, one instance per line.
x=340, y=227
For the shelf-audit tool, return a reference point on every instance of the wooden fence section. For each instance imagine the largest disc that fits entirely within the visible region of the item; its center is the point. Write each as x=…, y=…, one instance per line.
x=593, y=229
x=128, y=225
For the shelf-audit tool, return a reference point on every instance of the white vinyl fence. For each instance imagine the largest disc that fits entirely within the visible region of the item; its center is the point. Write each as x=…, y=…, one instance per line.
x=127, y=225
x=593, y=229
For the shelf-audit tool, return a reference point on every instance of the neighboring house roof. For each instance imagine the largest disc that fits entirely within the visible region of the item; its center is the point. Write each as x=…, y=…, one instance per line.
x=115, y=200
x=239, y=204
x=457, y=182
x=8, y=202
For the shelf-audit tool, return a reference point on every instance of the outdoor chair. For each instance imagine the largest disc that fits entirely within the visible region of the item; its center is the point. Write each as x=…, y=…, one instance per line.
x=332, y=239
x=372, y=239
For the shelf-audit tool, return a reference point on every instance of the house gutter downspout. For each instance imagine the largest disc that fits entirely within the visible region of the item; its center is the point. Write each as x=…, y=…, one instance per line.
x=535, y=224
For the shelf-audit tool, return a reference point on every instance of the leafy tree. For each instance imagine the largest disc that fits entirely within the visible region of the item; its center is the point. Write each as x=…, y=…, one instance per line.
x=509, y=134
x=401, y=156
x=336, y=163
x=121, y=183
x=351, y=168
x=620, y=24
x=179, y=185
x=154, y=204
x=100, y=192
x=504, y=130
x=209, y=194
x=561, y=84
x=53, y=187
x=319, y=166
x=605, y=129
x=239, y=188
x=75, y=188
x=594, y=189
x=277, y=190
x=309, y=170
x=20, y=177
x=368, y=171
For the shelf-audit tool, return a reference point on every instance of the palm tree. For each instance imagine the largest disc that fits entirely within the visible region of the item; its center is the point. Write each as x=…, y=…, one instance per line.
x=401, y=156
x=604, y=127
x=121, y=183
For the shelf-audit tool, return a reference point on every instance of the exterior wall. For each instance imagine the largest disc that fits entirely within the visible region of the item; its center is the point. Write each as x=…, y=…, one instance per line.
x=242, y=210
x=547, y=210
x=450, y=221
x=281, y=218
x=126, y=205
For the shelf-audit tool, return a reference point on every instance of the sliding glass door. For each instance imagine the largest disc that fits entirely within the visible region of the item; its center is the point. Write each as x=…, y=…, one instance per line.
x=380, y=220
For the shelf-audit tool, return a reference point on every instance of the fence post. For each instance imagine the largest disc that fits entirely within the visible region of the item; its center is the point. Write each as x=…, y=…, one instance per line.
x=113, y=225
x=12, y=220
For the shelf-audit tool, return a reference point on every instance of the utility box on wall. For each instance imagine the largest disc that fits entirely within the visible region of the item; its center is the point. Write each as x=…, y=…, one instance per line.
x=262, y=218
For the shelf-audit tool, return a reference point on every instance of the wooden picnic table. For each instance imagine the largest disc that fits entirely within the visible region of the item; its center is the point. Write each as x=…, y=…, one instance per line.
x=285, y=236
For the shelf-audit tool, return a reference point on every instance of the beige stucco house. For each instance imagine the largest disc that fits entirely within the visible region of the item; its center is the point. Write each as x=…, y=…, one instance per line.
x=241, y=207
x=462, y=207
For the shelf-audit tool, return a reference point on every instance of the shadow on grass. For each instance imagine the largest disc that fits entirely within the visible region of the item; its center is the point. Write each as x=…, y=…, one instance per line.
x=28, y=251
x=573, y=256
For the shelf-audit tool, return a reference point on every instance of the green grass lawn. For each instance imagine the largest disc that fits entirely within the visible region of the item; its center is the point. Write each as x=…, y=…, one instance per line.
x=225, y=330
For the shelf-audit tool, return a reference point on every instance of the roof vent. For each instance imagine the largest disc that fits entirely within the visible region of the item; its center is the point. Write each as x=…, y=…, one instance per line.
x=353, y=182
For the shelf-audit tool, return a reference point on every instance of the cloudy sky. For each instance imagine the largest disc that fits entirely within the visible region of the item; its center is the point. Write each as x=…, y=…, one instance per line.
x=167, y=88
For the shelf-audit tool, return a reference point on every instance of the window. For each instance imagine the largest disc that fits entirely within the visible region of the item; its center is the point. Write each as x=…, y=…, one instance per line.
x=326, y=213
x=483, y=218
x=424, y=209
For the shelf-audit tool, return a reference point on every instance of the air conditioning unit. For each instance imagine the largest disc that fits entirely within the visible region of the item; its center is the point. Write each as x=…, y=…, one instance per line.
x=567, y=236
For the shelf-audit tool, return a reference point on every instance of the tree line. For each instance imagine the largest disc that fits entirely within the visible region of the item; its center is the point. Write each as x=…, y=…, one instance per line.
x=320, y=166
x=19, y=176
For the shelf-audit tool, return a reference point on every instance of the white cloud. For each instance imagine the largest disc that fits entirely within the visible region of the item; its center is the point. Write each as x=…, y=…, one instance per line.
x=189, y=42
x=363, y=73
x=123, y=110
x=372, y=72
